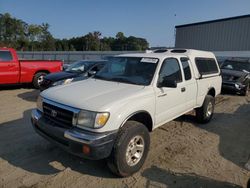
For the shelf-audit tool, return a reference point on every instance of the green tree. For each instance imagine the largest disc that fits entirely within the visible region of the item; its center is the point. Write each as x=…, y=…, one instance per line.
x=58, y=45
x=136, y=44
x=13, y=32
x=93, y=41
x=47, y=40
x=34, y=33
x=71, y=47
x=22, y=36
x=120, y=43
x=120, y=36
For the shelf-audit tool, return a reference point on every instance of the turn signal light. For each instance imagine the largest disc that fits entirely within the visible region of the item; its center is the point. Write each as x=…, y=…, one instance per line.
x=86, y=149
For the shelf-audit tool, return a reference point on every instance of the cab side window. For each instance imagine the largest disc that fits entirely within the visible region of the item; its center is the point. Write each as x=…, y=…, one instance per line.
x=186, y=68
x=5, y=56
x=170, y=70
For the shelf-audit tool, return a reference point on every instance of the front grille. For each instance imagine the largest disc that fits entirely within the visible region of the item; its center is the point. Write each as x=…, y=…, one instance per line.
x=59, y=116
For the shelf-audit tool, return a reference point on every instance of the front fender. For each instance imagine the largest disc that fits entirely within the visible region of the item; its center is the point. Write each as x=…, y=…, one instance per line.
x=120, y=114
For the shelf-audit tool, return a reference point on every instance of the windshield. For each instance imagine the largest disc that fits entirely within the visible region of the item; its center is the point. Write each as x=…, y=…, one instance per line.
x=238, y=66
x=80, y=66
x=132, y=70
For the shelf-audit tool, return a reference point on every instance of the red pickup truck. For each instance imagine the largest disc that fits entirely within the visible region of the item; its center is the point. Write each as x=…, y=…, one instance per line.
x=14, y=71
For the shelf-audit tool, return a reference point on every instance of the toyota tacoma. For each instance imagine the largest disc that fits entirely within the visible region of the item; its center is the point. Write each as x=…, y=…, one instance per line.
x=110, y=115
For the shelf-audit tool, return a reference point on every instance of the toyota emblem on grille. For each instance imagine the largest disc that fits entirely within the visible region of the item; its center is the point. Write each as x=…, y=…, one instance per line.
x=53, y=113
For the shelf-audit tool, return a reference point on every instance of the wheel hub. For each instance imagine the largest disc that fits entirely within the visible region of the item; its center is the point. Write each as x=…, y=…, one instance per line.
x=40, y=79
x=135, y=150
x=209, y=109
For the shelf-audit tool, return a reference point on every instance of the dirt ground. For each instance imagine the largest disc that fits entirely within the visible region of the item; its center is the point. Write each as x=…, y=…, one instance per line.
x=182, y=153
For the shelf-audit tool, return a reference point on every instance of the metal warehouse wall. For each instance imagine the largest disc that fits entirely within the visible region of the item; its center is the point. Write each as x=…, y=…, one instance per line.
x=232, y=34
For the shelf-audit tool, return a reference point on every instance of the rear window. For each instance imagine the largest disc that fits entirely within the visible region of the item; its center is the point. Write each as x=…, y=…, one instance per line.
x=206, y=66
x=5, y=56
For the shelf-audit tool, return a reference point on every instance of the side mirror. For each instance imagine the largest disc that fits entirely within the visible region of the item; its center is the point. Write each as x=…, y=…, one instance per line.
x=168, y=83
x=91, y=73
x=65, y=66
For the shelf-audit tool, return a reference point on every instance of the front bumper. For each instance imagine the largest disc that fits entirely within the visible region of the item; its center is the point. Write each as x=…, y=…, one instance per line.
x=46, y=84
x=74, y=140
x=231, y=87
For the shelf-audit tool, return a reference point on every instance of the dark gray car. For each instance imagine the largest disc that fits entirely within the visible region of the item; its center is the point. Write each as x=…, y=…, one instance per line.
x=236, y=76
x=77, y=71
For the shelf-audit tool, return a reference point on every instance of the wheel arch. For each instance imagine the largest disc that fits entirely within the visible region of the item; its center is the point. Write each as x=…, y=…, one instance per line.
x=141, y=116
x=43, y=70
x=211, y=91
x=38, y=71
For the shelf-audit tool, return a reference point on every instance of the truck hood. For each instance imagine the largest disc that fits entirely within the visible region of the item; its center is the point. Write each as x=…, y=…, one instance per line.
x=60, y=76
x=232, y=75
x=93, y=94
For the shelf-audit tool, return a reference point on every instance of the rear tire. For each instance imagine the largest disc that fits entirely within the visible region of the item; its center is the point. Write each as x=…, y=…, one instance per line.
x=205, y=113
x=130, y=149
x=38, y=78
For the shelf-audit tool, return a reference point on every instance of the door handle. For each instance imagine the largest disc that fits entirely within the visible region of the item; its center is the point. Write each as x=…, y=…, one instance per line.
x=11, y=65
x=183, y=89
x=162, y=95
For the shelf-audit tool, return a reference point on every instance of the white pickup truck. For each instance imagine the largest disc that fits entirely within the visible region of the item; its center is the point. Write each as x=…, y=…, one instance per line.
x=110, y=115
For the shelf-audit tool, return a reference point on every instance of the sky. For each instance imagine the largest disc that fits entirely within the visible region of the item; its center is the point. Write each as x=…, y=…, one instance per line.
x=154, y=20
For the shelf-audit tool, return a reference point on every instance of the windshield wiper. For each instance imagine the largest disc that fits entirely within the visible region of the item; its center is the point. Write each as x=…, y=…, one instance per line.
x=123, y=80
x=100, y=77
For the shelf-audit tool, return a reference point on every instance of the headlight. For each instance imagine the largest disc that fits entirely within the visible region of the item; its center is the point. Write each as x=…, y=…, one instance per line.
x=63, y=82
x=39, y=103
x=92, y=119
x=86, y=119
x=237, y=86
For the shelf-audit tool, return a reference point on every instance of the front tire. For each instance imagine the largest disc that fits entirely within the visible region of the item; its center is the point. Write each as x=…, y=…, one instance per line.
x=245, y=92
x=205, y=113
x=38, y=79
x=130, y=149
